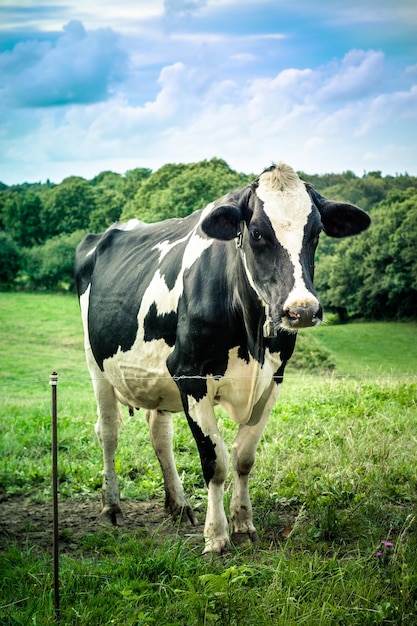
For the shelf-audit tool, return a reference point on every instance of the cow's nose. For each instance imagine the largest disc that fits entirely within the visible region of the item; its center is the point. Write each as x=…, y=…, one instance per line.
x=304, y=315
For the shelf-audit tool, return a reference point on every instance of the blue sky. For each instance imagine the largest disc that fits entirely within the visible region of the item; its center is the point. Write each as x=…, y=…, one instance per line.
x=93, y=85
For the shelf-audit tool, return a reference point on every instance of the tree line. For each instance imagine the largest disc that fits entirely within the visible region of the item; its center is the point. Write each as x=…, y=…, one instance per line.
x=372, y=276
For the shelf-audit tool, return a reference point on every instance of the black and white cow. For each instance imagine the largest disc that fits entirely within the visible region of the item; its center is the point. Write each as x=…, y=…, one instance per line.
x=188, y=313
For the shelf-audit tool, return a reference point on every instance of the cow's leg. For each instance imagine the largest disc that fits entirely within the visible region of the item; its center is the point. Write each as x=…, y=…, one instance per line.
x=215, y=464
x=107, y=430
x=243, y=457
x=161, y=432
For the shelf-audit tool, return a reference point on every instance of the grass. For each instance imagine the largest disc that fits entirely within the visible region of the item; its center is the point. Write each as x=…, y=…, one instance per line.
x=336, y=475
x=371, y=348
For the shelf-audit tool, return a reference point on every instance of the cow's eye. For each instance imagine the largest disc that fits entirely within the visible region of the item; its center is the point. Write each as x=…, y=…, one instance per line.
x=256, y=235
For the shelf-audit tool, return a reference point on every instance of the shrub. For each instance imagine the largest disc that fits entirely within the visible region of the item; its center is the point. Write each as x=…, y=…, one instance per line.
x=10, y=258
x=51, y=266
x=309, y=354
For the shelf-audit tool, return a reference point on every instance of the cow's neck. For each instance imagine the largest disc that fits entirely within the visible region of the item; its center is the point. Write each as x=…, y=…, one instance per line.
x=250, y=309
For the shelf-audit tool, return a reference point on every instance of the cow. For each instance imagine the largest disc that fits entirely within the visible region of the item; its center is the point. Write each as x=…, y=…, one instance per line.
x=189, y=313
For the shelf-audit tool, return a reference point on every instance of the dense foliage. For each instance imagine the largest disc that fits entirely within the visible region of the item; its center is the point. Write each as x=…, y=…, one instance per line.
x=373, y=276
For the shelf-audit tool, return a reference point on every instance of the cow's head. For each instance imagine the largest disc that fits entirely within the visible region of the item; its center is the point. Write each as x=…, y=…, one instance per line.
x=277, y=222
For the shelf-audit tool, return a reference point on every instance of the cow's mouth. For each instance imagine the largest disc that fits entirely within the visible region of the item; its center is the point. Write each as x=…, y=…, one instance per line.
x=301, y=317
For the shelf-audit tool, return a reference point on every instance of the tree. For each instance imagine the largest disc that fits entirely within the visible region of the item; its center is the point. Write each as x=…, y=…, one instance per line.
x=108, y=208
x=108, y=180
x=51, y=266
x=178, y=190
x=108, y=201
x=10, y=257
x=375, y=275
x=21, y=217
x=133, y=180
x=68, y=207
x=146, y=205
x=396, y=229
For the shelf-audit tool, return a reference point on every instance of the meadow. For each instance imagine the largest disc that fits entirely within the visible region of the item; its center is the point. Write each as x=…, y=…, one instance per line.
x=334, y=491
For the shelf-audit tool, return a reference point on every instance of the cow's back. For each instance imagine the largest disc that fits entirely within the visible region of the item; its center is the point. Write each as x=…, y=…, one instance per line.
x=117, y=269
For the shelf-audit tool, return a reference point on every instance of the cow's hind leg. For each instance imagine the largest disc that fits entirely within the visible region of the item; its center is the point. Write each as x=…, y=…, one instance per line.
x=107, y=433
x=161, y=432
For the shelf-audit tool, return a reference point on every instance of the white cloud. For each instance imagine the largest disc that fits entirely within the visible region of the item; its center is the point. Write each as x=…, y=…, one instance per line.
x=396, y=111
x=183, y=7
x=358, y=75
x=249, y=126
x=79, y=67
x=48, y=16
x=95, y=100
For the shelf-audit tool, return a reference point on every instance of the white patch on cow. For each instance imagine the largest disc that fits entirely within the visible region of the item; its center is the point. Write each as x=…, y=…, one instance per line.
x=130, y=225
x=93, y=368
x=144, y=382
x=206, y=211
x=288, y=206
x=91, y=251
x=250, y=277
x=84, y=300
x=239, y=390
x=167, y=300
x=244, y=384
x=166, y=246
x=194, y=250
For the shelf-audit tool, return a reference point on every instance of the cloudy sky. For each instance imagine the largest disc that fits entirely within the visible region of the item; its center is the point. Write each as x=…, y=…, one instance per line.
x=93, y=85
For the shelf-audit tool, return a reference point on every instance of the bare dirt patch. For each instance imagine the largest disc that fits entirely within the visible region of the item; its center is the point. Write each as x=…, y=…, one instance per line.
x=27, y=522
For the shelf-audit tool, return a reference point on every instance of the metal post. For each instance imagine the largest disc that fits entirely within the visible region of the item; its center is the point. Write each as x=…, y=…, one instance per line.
x=53, y=381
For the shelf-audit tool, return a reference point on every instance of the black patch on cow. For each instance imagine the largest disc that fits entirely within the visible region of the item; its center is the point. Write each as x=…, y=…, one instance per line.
x=207, y=327
x=111, y=331
x=193, y=385
x=206, y=449
x=284, y=344
x=158, y=326
x=243, y=353
x=170, y=266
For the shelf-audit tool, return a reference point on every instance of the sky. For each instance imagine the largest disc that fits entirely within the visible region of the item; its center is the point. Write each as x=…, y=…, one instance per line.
x=92, y=85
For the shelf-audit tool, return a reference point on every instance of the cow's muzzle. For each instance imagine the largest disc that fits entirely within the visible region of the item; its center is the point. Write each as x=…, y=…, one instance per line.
x=302, y=316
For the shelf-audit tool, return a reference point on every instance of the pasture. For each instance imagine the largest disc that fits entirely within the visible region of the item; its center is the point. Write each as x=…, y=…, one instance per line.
x=333, y=489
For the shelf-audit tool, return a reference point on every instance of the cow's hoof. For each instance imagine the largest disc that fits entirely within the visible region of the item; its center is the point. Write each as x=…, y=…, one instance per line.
x=244, y=539
x=216, y=547
x=180, y=511
x=183, y=514
x=112, y=515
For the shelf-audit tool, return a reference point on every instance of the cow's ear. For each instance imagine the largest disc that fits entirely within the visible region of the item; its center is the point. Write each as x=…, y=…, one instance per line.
x=339, y=219
x=222, y=222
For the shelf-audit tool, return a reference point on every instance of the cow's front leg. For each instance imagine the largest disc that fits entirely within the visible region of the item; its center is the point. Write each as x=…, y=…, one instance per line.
x=161, y=432
x=215, y=464
x=107, y=431
x=243, y=457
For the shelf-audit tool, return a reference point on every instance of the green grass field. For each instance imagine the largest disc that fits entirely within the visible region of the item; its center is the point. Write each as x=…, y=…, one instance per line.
x=369, y=349
x=335, y=477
